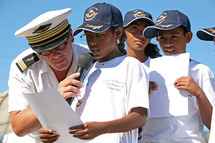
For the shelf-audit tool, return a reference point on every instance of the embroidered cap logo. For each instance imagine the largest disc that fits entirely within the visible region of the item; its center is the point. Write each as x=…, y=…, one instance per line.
x=161, y=18
x=139, y=14
x=212, y=30
x=91, y=14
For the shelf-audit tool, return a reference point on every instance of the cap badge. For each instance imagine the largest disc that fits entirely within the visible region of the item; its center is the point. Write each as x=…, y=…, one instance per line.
x=211, y=29
x=161, y=18
x=90, y=15
x=42, y=28
x=139, y=14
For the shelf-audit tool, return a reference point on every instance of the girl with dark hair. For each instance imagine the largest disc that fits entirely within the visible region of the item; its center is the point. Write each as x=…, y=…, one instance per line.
x=137, y=46
x=113, y=101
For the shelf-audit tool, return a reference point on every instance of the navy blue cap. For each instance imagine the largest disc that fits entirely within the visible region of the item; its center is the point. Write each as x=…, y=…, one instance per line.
x=99, y=17
x=168, y=20
x=137, y=14
x=206, y=34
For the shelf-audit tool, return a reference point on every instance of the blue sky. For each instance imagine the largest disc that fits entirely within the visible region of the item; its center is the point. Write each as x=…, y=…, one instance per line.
x=14, y=14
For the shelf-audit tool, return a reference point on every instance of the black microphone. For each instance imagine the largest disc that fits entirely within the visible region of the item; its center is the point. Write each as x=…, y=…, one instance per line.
x=84, y=62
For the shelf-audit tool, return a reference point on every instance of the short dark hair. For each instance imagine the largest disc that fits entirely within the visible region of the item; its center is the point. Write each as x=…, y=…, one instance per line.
x=184, y=29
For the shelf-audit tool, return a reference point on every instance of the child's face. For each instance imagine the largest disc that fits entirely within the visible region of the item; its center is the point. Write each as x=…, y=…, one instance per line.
x=173, y=41
x=103, y=45
x=135, y=40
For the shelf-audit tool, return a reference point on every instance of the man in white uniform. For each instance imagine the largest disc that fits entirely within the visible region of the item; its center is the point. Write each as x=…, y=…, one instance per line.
x=52, y=57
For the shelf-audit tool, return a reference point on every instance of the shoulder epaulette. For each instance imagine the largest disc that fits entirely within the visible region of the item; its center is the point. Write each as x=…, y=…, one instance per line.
x=27, y=61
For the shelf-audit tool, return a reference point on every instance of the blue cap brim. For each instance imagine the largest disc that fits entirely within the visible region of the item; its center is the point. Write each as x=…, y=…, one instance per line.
x=139, y=18
x=89, y=27
x=204, y=34
x=151, y=31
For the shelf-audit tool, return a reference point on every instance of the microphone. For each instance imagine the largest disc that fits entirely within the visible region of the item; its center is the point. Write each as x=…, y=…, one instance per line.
x=84, y=62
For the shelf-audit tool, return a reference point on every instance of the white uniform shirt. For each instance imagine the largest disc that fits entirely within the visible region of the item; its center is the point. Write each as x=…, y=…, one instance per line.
x=38, y=77
x=184, y=129
x=111, y=89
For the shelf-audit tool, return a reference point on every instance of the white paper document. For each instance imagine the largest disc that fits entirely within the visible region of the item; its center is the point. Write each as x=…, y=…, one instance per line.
x=168, y=100
x=54, y=113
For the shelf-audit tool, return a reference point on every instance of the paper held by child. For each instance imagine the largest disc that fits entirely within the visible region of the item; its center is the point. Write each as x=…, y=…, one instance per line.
x=168, y=100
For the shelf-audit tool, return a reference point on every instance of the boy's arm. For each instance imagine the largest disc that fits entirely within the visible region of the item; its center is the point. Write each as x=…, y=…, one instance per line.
x=205, y=107
x=90, y=130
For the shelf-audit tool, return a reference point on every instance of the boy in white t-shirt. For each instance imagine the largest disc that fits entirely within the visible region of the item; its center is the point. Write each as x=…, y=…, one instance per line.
x=208, y=34
x=173, y=31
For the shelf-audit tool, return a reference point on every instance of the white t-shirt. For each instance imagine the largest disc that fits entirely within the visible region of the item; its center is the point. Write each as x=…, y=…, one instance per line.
x=147, y=62
x=146, y=65
x=212, y=130
x=38, y=77
x=110, y=90
x=184, y=129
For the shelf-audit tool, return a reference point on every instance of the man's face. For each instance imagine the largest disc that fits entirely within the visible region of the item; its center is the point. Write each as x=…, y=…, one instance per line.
x=60, y=60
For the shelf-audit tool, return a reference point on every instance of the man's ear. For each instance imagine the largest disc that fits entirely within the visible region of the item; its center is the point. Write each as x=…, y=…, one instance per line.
x=189, y=36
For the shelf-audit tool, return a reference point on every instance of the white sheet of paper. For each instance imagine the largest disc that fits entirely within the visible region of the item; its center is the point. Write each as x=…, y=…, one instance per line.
x=54, y=113
x=167, y=100
x=212, y=131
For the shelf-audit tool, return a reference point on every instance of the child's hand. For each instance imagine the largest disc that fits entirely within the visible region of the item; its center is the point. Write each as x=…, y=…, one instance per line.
x=87, y=131
x=48, y=136
x=188, y=84
x=152, y=86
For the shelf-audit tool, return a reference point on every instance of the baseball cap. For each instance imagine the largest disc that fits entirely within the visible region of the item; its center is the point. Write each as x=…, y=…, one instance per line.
x=47, y=31
x=137, y=14
x=206, y=34
x=99, y=17
x=168, y=20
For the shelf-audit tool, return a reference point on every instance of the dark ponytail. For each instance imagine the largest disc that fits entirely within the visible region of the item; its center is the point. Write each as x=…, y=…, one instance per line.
x=152, y=51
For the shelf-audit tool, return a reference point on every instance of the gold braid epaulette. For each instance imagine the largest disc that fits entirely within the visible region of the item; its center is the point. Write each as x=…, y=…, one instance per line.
x=24, y=63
